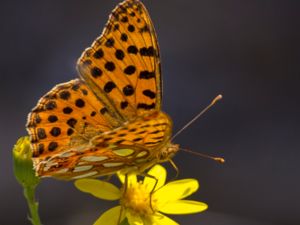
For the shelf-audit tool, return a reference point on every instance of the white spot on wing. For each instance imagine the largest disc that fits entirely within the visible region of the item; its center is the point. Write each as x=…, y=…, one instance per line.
x=82, y=168
x=66, y=154
x=141, y=154
x=91, y=158
x=123, y=152
x=49, y=164
x=113, y=164
x=62, y=170
x=141, y=160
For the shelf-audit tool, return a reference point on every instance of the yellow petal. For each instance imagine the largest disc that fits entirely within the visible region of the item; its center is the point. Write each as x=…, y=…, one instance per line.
x=98, y=188
x=183, y=207
x=177, y=190
x=131, y=178
x=134, y=219
x=110, y=217
x=160, y=219
x=159, y=173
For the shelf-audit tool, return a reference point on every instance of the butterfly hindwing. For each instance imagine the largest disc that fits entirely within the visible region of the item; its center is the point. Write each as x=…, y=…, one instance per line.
x=128, y=147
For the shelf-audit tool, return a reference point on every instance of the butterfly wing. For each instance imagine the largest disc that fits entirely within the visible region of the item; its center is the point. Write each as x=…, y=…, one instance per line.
x=122, y=66
x=121, y=84
x=68, y=116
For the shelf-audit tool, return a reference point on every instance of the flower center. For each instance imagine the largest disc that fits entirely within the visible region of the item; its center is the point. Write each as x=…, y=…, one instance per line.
x=136, y=198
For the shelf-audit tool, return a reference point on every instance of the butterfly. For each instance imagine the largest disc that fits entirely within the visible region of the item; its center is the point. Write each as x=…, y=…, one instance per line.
x=109, y=119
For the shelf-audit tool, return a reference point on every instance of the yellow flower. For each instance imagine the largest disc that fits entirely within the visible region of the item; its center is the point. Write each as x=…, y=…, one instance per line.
x=135, y=198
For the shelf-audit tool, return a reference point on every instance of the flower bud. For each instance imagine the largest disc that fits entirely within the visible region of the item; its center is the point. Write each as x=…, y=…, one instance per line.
x=23, y=165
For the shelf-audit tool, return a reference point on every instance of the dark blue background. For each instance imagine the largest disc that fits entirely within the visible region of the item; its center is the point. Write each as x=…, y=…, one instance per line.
x=249, y=51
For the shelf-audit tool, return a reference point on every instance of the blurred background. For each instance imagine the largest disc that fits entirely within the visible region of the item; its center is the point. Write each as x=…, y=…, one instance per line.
x=248, y=51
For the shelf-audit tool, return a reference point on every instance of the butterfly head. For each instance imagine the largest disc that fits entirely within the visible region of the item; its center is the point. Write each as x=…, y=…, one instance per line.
x=168, y=152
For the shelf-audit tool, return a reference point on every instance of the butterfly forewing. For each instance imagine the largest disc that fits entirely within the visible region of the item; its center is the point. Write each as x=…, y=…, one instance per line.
x=122, y=64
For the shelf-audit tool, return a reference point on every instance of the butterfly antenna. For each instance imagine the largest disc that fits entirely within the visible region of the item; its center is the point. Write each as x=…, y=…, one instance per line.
x=219, y=97
x=217, y=159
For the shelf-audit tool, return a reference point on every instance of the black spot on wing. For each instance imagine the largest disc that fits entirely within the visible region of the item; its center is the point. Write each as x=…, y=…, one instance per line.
x=149, y=93
x=110, y=66
x=72, y=122
x=137, y=139
x=55, y=131
x=128, y=90
x=96, y=72
x=98, y=54
x=124, y=37
x=50, y=105
x=129, y=70
x=124, y=19
x=124, y=104
x=41, y=133
x=52, y=118
x=67, y=110
x=103, y=110
x=65, y=95
x=146, y=106
x=41, y=148
x=70, y=131
x=147, y=51
x=110, y=42
x=146, y=75
x=80, y=103
x=109, y=86
x=132, y=49
x=119, y=54
x=52, y=146
x=37, y=118
x=131, y=28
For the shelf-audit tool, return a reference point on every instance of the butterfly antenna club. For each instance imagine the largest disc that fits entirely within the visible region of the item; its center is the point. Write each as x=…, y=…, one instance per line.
x=217, y=159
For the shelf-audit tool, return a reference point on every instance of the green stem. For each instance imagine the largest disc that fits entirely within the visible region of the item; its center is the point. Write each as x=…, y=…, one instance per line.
x=32, y=204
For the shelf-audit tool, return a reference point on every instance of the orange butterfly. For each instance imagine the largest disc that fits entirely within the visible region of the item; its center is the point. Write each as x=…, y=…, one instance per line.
x=110, y=119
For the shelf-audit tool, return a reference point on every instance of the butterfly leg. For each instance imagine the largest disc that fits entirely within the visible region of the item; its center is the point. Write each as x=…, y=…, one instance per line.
x=175, y=168
x=153, y=189
x=108, y=177
x=120, y=215
x=125, y=183
x=124, y=191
